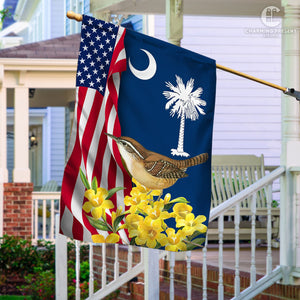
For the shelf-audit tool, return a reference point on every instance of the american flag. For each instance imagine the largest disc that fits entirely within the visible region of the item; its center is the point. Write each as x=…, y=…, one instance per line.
x=100, y=63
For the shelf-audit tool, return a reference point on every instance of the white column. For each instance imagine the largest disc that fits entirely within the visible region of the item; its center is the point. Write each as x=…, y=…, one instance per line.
x=174, y=21
x=21, y=172
x=290, y=135
x=3, y=155
x=3, y=132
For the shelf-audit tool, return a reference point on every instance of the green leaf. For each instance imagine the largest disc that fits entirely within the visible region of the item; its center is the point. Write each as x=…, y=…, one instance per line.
x=198, y=241
x=190, y=247
x=113, y=191
x=95, y=184
x=84, y=180
x=98, y=224
x=179, y=200
x=117, y=221
x=168, y=206
x=132, y=241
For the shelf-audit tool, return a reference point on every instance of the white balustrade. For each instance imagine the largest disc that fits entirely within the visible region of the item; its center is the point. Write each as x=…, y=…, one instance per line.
x=45, y=205
x=249, y=193
x=77, y=270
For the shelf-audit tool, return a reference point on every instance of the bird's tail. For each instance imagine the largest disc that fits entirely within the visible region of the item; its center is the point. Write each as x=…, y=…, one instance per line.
x=193, y=161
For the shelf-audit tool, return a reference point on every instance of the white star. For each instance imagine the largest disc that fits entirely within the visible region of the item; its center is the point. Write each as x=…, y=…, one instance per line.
x=103, y=75
x=81, y=40
x=101, y=67
x=98, y=79
x=83, y=26
x=78, y=73
x=92, y=63
x=107, y=41
x=85, y=48
x=82, y=61
x=95, y=51
x=98, y=58
x=92, y=43
x=100, y=25
x=110, y=49
x=110, y=29
x=103, y=33
x=107, y=62
x=113, y=36
x=101, y=88
x=90, y=21
x=91, y=84
x=94, y=29
x=85, y=68
x=89, y=55
x=81, y=81
x=88, y=34
x=88, y=76
x=101, y=46
x=95, y=71
x=97, y=37
x=104, y=54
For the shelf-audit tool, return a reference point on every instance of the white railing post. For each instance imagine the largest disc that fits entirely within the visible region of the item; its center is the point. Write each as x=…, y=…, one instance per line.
x=189, y=275
x=237, y=250
x=172, y=266
x=61, y=269
x=253, y=240
x=91, y=261
x=221, y=231
x=77, y=270
x=151, y=262
x=204, y=270
x=269, y=230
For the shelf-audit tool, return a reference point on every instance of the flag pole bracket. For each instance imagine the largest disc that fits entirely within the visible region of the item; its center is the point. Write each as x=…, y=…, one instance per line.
x=293, y=93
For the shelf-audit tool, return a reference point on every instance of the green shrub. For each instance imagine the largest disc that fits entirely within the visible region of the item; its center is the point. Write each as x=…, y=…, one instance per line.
x=17, y=255
x=40, y=285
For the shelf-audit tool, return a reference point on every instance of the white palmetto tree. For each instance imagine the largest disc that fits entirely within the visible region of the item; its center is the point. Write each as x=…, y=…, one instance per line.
x=186, y=103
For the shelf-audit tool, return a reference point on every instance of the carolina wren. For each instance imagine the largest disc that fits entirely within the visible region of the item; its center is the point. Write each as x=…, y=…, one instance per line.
x=151, y=169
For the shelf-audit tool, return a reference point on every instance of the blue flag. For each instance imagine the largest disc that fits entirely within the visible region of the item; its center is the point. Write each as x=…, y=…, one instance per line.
x=135, y=93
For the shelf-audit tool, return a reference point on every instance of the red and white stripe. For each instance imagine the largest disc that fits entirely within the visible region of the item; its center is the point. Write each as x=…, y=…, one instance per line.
x=92, y=151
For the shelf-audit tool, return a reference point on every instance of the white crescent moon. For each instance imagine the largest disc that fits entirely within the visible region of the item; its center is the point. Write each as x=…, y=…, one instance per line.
x=149, y=72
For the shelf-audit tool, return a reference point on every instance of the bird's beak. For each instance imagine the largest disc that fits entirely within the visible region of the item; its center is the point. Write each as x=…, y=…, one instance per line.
x=112, y=136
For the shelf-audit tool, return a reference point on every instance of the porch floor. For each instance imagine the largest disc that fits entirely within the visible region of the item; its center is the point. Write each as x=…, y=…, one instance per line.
x=245, y=257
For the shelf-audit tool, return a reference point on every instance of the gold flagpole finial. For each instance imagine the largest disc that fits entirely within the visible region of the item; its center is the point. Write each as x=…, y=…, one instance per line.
x=74, y=16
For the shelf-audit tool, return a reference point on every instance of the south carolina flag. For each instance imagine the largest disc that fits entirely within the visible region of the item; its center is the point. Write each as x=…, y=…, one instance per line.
x=161, y=97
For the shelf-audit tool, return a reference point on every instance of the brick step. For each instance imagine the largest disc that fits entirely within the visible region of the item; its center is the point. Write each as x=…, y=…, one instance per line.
x=180, y=292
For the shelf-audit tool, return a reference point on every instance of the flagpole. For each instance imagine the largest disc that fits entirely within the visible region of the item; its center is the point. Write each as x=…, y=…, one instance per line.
x=288, y=91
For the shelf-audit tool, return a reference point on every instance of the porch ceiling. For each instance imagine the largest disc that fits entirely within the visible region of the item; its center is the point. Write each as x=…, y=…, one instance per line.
x=190, y=7
x=44, y=97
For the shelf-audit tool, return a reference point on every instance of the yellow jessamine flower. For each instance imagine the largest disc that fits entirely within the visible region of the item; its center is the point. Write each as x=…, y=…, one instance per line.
x=135, y=203
x=156, y=211
x=132, y=222
x=97, y=203
x=112, y=238
x=190, y=224
x=150, y=233
x=175, y=242
x=181, y=210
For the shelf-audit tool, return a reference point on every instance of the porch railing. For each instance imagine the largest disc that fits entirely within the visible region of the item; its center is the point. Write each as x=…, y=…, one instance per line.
x=255, y=288
x=44, y=208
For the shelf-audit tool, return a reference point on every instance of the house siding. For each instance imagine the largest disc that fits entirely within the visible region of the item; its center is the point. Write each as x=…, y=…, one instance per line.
x=247, y=114
x=57, y=143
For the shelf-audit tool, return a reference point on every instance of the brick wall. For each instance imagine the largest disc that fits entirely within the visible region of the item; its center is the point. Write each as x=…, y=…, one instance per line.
x=17, y=213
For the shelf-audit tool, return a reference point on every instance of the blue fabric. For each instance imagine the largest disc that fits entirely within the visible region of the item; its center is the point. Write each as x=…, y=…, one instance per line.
x=144, y=117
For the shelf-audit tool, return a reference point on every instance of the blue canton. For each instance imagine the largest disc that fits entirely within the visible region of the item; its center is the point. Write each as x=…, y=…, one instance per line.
x=96, y=49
